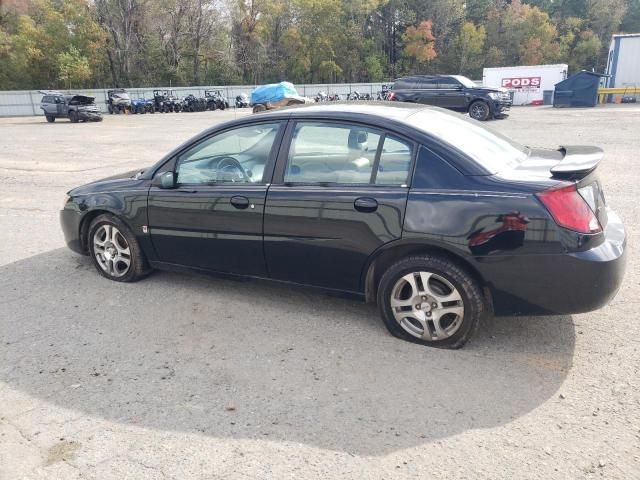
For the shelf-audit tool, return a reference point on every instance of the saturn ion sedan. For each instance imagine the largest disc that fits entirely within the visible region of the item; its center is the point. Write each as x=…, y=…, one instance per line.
x=434, y=217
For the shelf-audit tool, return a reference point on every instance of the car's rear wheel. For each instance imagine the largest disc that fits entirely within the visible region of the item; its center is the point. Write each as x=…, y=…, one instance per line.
x=115, y=251
x=50, y=118
x=479, y=110
x=431, y=300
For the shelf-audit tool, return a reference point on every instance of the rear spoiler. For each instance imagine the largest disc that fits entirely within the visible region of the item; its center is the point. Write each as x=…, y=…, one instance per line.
x=577, y=160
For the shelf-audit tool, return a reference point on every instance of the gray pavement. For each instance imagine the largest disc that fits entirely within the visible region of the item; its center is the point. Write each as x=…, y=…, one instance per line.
x=187, y=376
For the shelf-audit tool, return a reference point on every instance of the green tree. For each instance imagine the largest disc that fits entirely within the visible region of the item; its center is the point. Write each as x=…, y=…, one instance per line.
x=523, y=35
x=469, y=47
x=73, y=68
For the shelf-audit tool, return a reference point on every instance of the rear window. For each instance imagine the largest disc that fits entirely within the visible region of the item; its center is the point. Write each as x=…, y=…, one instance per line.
x=490, y=149
x=401, y=84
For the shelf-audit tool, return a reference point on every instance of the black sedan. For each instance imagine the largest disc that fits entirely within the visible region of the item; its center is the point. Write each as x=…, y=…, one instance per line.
x=434, y=217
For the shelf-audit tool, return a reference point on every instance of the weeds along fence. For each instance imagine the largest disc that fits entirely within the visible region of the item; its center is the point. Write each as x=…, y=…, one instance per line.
x=15, y=103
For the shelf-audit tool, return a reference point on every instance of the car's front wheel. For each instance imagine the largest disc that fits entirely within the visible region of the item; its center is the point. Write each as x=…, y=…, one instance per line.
x=431, y=300
x=50, y=118
x=480, y=110
x=115, y=251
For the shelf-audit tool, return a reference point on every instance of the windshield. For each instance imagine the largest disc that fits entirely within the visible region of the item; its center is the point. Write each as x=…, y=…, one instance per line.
x=492, y=150
x=465, y=81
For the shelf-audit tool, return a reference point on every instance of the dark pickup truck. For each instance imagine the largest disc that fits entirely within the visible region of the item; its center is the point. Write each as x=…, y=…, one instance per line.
x=453, y=92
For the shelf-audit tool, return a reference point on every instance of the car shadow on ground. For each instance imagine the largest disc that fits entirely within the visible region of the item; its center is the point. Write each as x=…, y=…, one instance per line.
x=259, y=360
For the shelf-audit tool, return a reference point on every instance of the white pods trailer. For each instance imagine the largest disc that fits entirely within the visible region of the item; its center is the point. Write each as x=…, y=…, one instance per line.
x=526, y=82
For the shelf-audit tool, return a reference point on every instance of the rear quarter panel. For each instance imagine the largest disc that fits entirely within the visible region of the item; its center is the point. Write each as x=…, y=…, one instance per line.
x=505, y=238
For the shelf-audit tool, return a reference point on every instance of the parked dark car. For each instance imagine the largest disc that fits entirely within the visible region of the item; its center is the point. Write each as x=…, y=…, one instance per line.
x=453, y=92
x=74, y=107
x=433, y=216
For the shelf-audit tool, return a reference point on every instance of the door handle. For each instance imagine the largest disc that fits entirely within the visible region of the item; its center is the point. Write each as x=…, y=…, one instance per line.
x=240, y=202
x=365, y=204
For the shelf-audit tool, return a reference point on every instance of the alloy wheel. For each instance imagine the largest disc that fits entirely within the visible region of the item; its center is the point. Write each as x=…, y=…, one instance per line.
x=111, y=250
x=427, y=306
x=479, y=111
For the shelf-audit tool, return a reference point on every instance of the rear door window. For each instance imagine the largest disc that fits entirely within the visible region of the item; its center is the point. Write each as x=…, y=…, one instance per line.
x=426, y=83
x=349, y=154
x=395, y=160
x=331, y=153
x=449, y=83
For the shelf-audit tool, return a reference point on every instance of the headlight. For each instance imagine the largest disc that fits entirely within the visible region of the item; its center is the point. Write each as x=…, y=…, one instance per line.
x=66, y=200
x=494, y=95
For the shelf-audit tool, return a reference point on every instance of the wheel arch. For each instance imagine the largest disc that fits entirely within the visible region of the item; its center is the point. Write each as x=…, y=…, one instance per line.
x=387, y=255
x=89, y=217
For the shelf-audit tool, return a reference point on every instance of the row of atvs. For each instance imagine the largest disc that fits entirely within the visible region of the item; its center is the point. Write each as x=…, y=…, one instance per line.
x=165, y=101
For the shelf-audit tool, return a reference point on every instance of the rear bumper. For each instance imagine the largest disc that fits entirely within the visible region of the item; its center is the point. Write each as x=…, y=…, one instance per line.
x=559, y=284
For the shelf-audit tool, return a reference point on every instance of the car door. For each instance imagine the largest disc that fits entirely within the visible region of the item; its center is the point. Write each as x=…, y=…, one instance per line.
x=339, y=193
x=212, y=219
x=61, y=107
x=427, y=91
x=451, y=94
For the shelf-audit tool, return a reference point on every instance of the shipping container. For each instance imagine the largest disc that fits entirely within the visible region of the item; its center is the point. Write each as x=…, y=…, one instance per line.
x=526, y=83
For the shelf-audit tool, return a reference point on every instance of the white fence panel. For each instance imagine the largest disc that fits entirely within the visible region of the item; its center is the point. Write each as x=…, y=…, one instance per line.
x=27, y=102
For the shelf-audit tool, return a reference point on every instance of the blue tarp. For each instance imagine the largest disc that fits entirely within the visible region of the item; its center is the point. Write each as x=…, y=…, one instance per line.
x=273, y=92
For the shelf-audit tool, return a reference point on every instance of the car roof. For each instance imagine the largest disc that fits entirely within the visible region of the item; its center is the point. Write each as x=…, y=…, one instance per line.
x=397, y=111
x=423, y=76
x=384, y=115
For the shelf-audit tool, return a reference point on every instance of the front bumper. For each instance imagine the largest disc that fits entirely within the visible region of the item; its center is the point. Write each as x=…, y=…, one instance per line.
x=501, y=107
x=89, y=116
x=559, y=284
x=70, y=221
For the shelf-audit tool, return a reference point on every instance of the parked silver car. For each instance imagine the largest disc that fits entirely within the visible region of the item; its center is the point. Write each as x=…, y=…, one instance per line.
x=74, y=107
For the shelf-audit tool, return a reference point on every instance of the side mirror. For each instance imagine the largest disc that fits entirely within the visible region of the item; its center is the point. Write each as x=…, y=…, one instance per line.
x=164, y=180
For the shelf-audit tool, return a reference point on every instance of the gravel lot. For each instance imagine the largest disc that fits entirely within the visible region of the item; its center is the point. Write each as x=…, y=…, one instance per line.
x=184, y=376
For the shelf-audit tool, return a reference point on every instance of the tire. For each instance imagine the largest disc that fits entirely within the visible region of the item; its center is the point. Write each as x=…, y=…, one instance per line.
x=479, y=110
x=110, y=109
x=73, y=116
x=448, y=323
x=50, y=118
x=110, y=259
x=259, y=108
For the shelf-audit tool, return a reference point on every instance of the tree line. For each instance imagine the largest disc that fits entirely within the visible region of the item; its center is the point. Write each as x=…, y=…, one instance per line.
x=126, y=43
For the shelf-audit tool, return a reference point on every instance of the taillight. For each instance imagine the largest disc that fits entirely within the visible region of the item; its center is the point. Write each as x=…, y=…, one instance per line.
x=570, y=210
x=391, y=97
